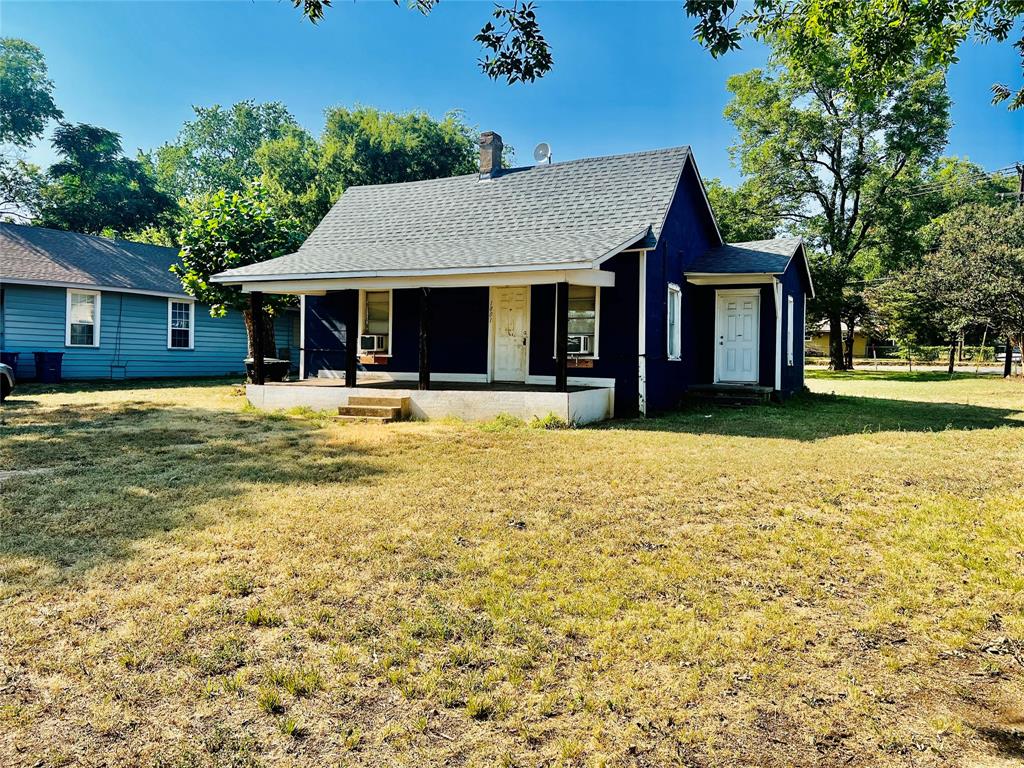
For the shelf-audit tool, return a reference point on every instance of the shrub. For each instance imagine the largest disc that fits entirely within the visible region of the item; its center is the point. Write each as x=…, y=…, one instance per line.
x=551, y=421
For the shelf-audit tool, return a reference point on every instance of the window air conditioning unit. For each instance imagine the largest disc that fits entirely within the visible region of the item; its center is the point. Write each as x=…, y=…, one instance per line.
x=579, y=345
x=373, y=342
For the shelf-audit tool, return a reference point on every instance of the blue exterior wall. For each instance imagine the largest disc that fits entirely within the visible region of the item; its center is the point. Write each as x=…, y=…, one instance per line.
x=133, y=334
x=794, y=283
x=689, y=231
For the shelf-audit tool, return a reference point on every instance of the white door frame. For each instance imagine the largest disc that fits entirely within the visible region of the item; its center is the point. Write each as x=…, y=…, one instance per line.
x=719, y=293
x=491, y=328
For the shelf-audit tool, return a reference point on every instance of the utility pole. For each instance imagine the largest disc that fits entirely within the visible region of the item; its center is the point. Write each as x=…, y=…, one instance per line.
x=1020, y=184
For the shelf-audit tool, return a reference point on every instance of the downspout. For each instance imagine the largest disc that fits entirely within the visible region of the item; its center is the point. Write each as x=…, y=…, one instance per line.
x=778, y=335
x=642, y=338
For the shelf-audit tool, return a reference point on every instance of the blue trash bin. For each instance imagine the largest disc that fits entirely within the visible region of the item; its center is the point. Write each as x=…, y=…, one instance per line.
x=48, y=367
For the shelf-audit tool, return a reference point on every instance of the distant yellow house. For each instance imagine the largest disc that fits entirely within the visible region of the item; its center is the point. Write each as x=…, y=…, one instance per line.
x=818, y=341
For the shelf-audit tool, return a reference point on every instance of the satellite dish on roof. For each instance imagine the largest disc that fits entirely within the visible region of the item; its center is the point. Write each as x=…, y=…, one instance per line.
x=542, y=152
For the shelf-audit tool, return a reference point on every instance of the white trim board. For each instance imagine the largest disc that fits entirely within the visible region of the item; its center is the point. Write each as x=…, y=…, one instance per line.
x=778, y=334
x=315, y=286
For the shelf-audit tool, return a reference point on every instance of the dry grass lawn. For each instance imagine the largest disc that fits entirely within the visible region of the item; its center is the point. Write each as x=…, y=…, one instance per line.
x=838, y=581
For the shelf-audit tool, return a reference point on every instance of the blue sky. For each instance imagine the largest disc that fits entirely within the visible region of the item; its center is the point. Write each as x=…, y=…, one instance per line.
x=627, y=76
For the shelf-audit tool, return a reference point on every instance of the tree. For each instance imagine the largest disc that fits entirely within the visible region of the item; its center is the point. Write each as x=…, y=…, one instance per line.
x=217, y=150
x=26, y=106
x=744, y=213
x=518, y=50
x=94, y=188
x=982, y=248
x=225, y=230
x=361, y=146
x=886, y=39
x=831, y=160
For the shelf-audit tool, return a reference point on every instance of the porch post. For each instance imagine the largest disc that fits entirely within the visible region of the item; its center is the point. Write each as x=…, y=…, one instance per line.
x=424, y=382
x=561, y=337
x=256, y=313
x=351, y=338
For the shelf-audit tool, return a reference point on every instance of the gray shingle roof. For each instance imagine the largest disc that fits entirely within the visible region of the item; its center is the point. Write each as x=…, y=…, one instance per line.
x=754, y=257
x=39, y=255
x=571, y=212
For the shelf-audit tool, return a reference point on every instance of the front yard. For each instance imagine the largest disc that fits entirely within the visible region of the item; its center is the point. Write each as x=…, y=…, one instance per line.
x=839, y=581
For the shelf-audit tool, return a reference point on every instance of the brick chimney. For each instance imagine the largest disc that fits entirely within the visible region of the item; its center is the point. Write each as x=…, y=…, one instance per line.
x=490, y=154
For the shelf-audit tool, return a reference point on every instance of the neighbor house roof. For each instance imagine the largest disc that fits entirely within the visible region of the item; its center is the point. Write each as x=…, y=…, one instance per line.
x=39, y=256
x=573, y=213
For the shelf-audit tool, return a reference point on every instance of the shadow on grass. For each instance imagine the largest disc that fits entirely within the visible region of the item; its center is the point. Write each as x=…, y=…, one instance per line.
x=1007, y=741
x=820, y=416
x=122, y=472
x=29, y=388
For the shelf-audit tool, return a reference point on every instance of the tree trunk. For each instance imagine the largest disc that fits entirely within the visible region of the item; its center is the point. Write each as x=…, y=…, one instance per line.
x=269, y=343
x=850, y=335
x=952, y=355
x=837, y=360
x=1008, y=360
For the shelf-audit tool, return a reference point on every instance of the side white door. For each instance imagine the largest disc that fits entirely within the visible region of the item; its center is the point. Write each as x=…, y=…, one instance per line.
x=737, y=331
x=511, y=317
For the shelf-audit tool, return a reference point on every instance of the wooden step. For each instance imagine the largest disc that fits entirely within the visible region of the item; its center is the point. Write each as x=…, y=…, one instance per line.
x=382, y=400
x=375, y=411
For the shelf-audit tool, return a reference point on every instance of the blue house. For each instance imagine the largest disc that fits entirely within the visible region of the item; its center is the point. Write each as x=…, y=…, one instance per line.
x=587, y=288
x=113, y=309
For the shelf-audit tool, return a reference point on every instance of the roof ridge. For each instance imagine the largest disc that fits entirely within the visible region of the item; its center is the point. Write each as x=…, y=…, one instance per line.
x=114, y=240
x=539, y=166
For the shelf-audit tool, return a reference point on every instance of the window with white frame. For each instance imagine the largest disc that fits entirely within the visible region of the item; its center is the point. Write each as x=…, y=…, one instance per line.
x=375, y=322
x=584, y=308
x=789, y=331
x=180, y=324
x=675, y=329
x=83, y=319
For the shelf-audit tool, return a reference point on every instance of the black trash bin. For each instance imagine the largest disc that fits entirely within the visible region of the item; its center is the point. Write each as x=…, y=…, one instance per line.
x=48, y=367
x=11, y=359
x=274, y=369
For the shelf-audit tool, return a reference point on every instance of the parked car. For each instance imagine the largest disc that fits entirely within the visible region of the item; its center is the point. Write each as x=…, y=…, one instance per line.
x=6, y=381
x=1001, y=356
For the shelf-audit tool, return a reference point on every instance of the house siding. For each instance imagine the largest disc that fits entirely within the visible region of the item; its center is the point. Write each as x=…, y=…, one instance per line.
x=794, y=283
x=689, y=232
x=133, y=334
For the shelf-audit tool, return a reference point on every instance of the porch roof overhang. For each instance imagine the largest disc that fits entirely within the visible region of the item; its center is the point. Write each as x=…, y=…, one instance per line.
x=555, y=259
x=732, y=278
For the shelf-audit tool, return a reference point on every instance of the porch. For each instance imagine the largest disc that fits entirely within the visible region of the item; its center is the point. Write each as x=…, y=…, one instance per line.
x=472, y=401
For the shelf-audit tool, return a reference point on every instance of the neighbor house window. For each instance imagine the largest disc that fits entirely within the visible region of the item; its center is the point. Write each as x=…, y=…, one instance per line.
x=584, y=306
x=675, y=329
x=180, y=324
x=789, y=331
x=375, y=319
x=83, y=319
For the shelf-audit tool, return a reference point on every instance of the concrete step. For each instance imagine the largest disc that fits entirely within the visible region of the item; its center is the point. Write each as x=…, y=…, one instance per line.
x=375, y=411
x=366, y=419
x=383, y=401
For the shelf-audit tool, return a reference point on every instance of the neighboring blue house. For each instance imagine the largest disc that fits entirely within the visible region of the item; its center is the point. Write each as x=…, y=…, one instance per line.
x=113, y=308
x=602, y=274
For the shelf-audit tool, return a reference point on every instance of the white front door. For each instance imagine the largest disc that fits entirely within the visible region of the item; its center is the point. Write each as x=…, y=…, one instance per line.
x=737, y=328
x=511, y=323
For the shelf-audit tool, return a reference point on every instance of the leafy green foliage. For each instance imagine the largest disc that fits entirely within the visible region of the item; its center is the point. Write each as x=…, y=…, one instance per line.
x=975, y=276
x=217, y=150
x=26, y=93
x=26, y=106
x=829, y=160
x=744, y=213
x=518, y=51
x=361, y=146
x=94, y=188
x=885, y=40
x=225, y=230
